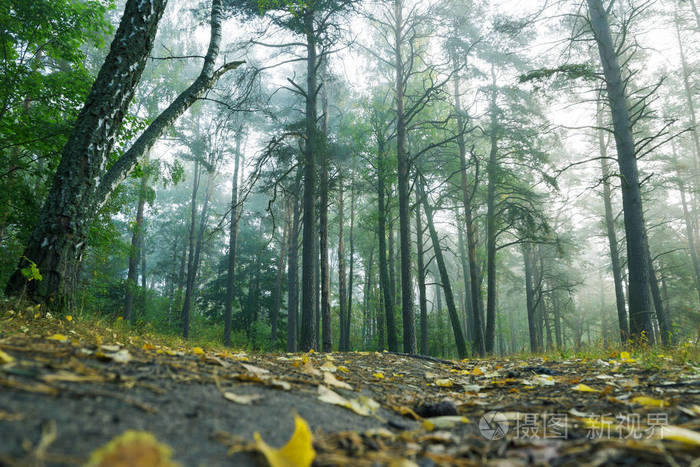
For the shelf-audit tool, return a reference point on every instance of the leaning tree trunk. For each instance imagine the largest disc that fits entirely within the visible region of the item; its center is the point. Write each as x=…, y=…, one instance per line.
x=82, y=183
x=232, y=240
x=135, y=250
x=612, y=234
x=639, y=306
x=308, y=261
x=444, y=276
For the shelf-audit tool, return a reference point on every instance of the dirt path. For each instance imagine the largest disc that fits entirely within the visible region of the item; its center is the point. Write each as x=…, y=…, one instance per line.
x=62, y=398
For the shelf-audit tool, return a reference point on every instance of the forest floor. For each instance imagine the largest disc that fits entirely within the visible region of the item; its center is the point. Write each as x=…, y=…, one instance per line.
x=67, y=389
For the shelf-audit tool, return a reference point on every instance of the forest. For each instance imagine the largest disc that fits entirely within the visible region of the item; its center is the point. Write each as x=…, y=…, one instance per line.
x=442, y=180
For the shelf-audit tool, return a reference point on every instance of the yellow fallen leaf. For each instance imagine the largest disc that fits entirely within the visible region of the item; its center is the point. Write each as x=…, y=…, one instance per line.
x=677, y=433
x=444, y=383
x=57, y=337
x=443, y=422
x=331, y=380
x=378, y=375
x=135, y=449
x=343, y=369
x=6, y=358
x=648, y=401
x=477, y=371
x=298, y=452
x=198, y=351
x=584, y=388
x=328, y=366
x=69, y=318
x=625, y=356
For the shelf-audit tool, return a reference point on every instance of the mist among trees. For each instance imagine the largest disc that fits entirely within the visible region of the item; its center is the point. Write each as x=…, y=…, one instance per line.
x=451, y=178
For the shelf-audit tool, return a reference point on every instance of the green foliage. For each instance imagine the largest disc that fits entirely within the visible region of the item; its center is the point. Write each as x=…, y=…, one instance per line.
x=569, y=71
x=31, y=272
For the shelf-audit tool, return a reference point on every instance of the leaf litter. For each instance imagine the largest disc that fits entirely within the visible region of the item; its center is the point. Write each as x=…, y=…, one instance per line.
x=420, y=410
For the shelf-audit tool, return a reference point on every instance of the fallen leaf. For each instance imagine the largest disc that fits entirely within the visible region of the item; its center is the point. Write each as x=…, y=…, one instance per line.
x=110, y=348
x=298, y=452
x=58, y=337
x=255, y=370
x=378, y=375
x=331, y=380
x=328, y=366
x=198, y=351
x=625, y=356
x=278, y=383
x=135, y=449
x=309, y=369
x=123, y=356
x=244, y=399
x=441, y=423
x=477, y=371
x=217, y=361
x=677, y=433
x=362, y=405
x=444, y=383
x=584, y=388
x=648, y=401
x=69, y=318
x=67, y=376
x=6, y=358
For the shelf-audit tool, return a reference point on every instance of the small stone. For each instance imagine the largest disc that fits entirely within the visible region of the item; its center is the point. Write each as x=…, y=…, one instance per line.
x=438, y=409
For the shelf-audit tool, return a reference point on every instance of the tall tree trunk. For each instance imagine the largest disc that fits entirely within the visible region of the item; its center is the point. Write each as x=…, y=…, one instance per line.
x=232, y=241
x=327, y=344
x=492, y=172
x=474, y=279
x=467, y=301
x=343, y=344
x=277, y=293
x=688, y=89
x=611, y=232
x=529, y=297
x=690, y=234
x=308, y=259
x=135, y=250
x=351, y=274
x=192, y=274
x=639, y=306
x=665, y=326
x=409, y=325
x=185, y=312
x=82, y=183
x=385, y=280
x=293, y=270
x=444, y=276
x=557, y=320
x=421, y=271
